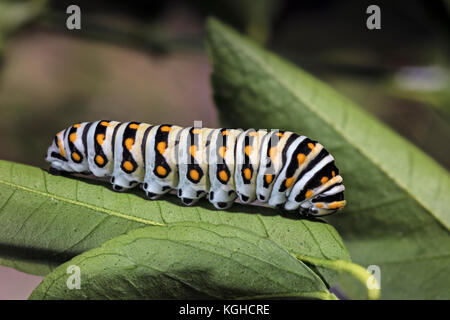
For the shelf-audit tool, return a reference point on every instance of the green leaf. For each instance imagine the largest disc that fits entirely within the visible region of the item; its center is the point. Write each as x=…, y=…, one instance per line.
x=15, y=14
x=45, y=220
x=398, y=213
x=185, y=261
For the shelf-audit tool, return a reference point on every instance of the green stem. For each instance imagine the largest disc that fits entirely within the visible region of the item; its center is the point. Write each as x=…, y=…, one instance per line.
x=344, y=266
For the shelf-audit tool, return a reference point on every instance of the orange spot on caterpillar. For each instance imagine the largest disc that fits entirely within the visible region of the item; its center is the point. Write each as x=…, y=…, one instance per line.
x=76, y=125
x=99, y=160
x=333, y=174
x=337, y=204
x=196, y=131
x=105, y=124
x=324, y=180
x=76, y=156
x=289, y=182
x=129, y=143
x=273, y=152
x=311, y=145
x=222, y=151
x=161, y=147
x=194, y=174
x=60, y=145
x=247, y=173
x=161, y=170
x=193, y=150
x=319, y=205
x=223, y=176
x=248, y=150
x=301, y=158
x=225, y=133
x=128, y=166
x=268, y=178
x=133, y=126
x=100, y=138
x=165, y=128
x=279, y=134
x=309, y=194
x=73, y=137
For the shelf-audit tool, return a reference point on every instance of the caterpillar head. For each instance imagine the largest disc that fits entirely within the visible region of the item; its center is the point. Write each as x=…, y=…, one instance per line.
x=324, y=203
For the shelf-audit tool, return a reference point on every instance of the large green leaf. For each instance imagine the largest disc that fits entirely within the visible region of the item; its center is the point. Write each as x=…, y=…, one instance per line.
x=398, y=212
x=46, y=220
x=185, y=261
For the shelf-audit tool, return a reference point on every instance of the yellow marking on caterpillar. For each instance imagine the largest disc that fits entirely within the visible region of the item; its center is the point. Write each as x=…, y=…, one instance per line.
x=99, y=160
x=100, y=138
x=301, y=158
x=193, y=150
x=76, y=156
x=248, y=150
x=73, y=137
x=337, y=204
x=289, y=182
x=60, y=145
x=222, y=151
x=309, y=194
x=134, y=126
x=223, y=175
x=161, y=147
x=194, y=174
x=247, y=173
x=161, y=170
x=273, y=152
x=128, y=166
x=129, y=143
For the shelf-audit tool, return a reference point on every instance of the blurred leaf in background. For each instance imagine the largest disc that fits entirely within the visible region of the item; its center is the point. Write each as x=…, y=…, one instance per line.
x=15, y=14
x=398, y=198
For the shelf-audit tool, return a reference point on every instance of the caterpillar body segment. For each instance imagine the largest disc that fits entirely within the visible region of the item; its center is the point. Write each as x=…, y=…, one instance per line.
x=280, y=168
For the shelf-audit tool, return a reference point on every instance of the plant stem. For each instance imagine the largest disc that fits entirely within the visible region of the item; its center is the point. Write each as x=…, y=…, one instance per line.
x=344, y=266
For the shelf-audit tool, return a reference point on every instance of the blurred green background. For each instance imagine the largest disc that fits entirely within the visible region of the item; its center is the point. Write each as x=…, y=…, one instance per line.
x=145, y=61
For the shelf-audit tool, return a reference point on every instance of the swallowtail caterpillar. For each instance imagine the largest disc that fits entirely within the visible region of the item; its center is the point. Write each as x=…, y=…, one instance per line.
x=279, y=168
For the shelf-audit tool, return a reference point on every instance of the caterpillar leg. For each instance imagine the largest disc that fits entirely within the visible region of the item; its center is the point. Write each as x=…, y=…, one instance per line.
x=222, y=199
x=190, y=196
x=155, y=190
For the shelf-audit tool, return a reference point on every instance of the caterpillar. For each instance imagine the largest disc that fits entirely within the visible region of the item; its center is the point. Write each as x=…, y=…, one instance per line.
x=279, y=168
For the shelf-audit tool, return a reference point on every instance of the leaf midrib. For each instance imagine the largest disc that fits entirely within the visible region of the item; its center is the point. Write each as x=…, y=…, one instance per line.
x=82, y=204
x=311, y=106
